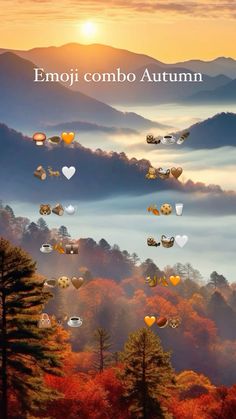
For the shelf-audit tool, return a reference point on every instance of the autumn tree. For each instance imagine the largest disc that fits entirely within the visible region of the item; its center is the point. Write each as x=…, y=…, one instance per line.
x=102, y=347
x=192, y=385
x=147, y=374
x=26, y=352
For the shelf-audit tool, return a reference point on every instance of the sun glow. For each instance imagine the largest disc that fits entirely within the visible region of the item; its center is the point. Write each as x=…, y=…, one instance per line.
x=88, y=29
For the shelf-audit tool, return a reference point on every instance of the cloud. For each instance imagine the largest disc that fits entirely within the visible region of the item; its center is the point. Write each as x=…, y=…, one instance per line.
x=124, y=220
x=76, y=10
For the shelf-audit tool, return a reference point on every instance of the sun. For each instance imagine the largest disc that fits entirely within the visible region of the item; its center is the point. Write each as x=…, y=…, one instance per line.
x=88, y=29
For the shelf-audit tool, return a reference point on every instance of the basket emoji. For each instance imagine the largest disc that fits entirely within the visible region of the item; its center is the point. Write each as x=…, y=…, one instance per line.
x=167, y=241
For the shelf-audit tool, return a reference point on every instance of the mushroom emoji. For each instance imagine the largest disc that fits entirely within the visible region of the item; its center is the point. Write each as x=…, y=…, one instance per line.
x=39, y=138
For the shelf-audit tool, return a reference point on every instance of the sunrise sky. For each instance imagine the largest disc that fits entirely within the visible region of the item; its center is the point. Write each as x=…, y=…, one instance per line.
x=168, y=30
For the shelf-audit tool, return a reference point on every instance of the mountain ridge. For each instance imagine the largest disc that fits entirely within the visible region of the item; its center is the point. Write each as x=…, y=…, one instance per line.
x=126, y=176
x=223, y=94
x=24, y=103
x=103, y=58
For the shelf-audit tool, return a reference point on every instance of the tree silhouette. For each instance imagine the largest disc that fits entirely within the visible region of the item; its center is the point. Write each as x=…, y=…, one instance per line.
x=223, y=316
x=10, y=211
x=102, y=346
x=63, y=232
x=187, y=272
x=41, y=223
x=149, y=268
x=27, y=352
x=232, y=300
x=135, y=259
x=104, y=245
x=147, y=374
x=217, y=280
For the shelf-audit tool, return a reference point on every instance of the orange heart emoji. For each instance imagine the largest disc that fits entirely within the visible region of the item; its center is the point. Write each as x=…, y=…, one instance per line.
x=176, y=172
x=174, y=280
x=68, y=137
x=149, y=320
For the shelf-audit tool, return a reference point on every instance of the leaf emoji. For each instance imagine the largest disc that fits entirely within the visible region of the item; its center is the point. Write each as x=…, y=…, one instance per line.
x=155, y=211
x=164, y=282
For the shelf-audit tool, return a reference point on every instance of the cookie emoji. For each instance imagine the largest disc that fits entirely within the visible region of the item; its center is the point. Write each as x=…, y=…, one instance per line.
x=166, y=209
x=63, y=282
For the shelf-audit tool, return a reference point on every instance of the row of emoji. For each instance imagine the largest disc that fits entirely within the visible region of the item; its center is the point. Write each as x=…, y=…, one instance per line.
x=163, y=321
x=68, y=249
x=168, y=242
x=167, y=139
x=46, y=322
x=163, y=174
x=166, y=209
x=41, y=139
x=58, y=209
x=41, y=173
x=154, y=281
x=64, y=282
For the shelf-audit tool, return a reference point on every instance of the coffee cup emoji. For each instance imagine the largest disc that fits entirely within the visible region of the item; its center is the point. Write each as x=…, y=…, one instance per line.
x=75, y=321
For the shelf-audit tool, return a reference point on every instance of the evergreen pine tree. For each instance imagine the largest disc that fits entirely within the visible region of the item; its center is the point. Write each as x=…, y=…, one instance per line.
x=104, y=245
x=147, y=374
x=26, y=351
x=41, y=223
x=102, y=346
x=218, y=281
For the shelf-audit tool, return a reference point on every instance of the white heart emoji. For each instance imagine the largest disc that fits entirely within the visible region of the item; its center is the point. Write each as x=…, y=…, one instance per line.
x=181, y=240
x=68, y=172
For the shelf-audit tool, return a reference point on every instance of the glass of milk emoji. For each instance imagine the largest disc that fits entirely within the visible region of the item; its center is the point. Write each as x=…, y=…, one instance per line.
x=179, y=208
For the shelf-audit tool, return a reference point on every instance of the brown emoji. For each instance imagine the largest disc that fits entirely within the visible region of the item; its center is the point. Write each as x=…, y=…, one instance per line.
x=45, y=209
x=174, y=322
x=176, y=172
x=162, y=322
x=151, y=173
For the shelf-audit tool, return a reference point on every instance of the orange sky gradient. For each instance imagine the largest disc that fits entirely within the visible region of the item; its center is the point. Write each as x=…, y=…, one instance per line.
x=167, y=30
